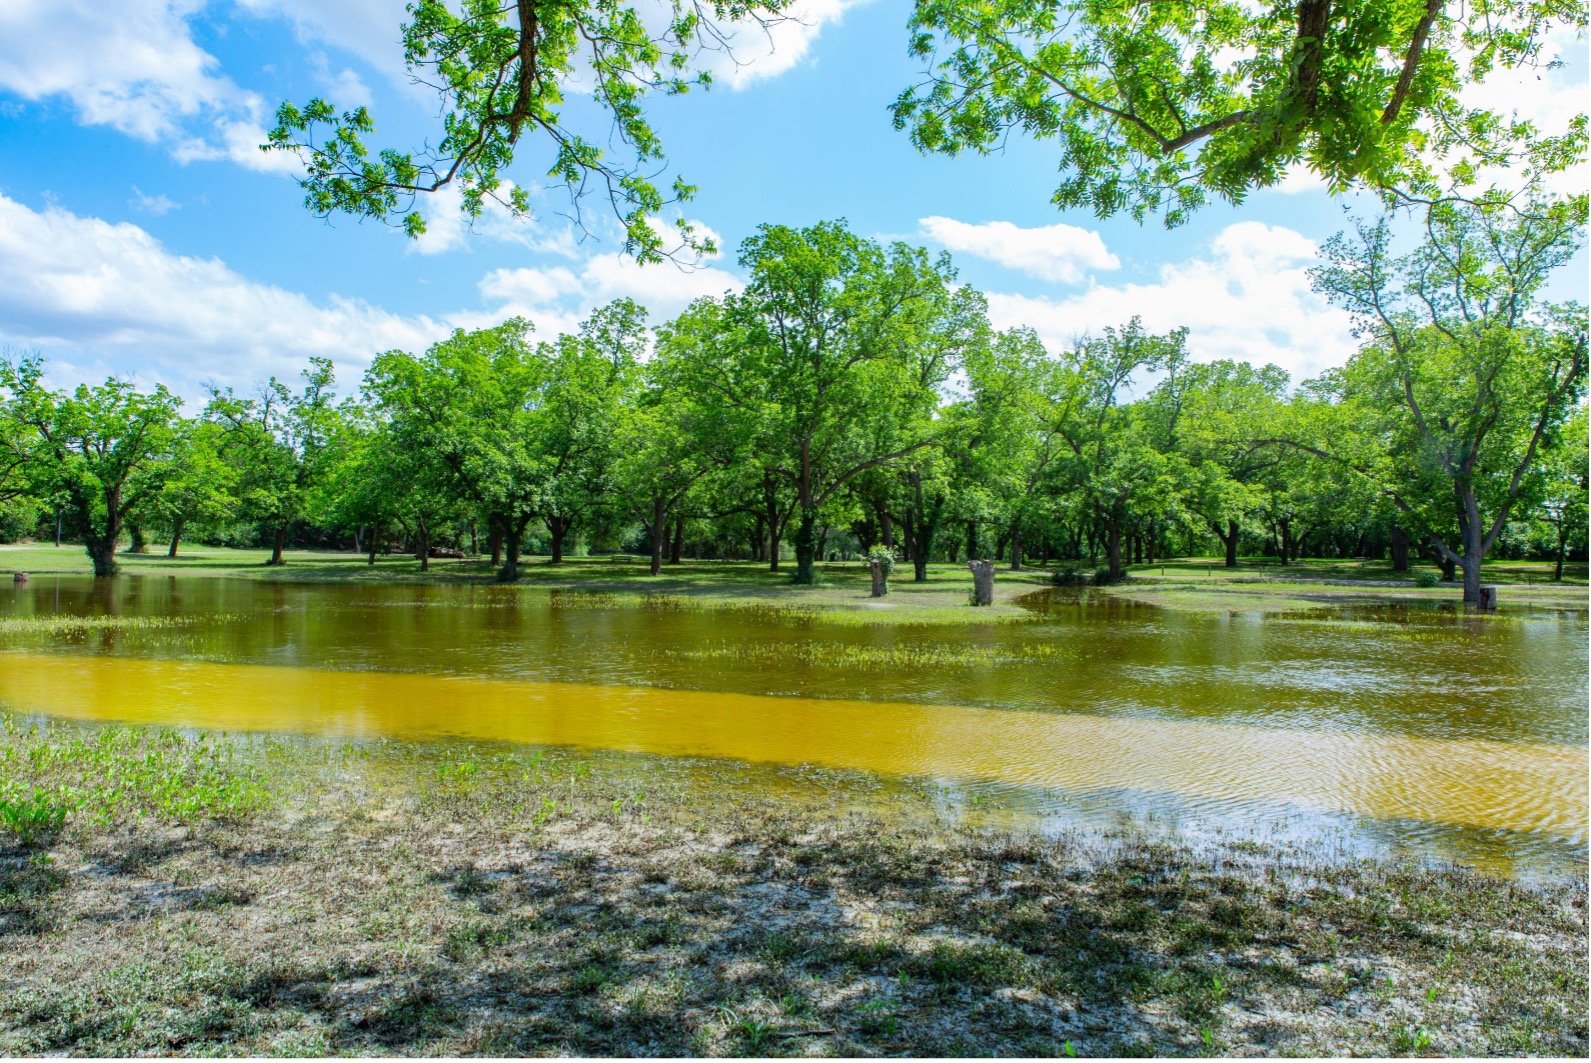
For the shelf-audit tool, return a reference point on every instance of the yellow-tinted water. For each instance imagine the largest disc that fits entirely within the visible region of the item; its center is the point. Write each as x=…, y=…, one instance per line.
x=1426, y=721
x=1461, y=782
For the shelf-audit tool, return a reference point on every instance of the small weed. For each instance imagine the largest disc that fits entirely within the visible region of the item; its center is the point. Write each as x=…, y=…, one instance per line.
x=35, y=819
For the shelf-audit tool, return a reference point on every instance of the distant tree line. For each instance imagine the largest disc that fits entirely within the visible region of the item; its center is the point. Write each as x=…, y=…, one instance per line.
x=854, y=396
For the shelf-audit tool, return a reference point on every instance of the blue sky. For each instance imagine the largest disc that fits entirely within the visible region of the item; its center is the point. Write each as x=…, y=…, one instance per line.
x=142, y=234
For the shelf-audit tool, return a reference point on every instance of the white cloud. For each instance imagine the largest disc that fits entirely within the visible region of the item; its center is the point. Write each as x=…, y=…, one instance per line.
x=156, y=204
x=100, y=298
x=369, y=29
x=131, y=65
x=563, y=294
x=759, y=53
x=1062, y=253
x=1247, y=298
x=91, y=293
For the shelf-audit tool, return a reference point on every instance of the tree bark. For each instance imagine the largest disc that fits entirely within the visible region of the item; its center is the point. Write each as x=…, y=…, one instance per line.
x=557, y=530
x=375, y=538
x=278, y=541
x=1399, y=549
x=102, y=552
x=678, y=542
x=512, y=535
x=138, y=544
x=1230, y=541
x=880, y=583
x=176, y=537
x=1016, y=549
x=1113, y=550
x=425, y=546
x=806, y=545
x=658, y=530
x=982, y=582
x=494, y=541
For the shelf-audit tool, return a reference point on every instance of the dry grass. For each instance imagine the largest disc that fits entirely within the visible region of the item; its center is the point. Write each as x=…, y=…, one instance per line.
x=393, y=900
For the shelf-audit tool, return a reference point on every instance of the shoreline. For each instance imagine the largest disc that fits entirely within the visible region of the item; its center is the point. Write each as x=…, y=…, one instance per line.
x=308, y=897
x=1193, y=585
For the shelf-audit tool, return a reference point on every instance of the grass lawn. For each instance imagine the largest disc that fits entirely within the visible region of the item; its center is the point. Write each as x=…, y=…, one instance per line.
x=211, y=895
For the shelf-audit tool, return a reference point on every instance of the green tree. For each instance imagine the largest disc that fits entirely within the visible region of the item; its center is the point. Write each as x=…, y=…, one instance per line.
x=278, y=443
x=1564, y=494
x=1113, y=462
x=1162, y=107
x=471, y=400
x=501, y=70
x=200, y=487
x=1466, y=376
x=590, y=375
x=821, y=351
x=103, y=450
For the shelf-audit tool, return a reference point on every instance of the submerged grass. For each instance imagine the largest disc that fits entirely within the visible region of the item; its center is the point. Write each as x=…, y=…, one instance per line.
x=390, y=899
x=62, y=624
x=831, y=655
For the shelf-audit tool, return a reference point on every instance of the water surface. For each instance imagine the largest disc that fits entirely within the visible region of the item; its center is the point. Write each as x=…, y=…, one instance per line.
x=1411, y=729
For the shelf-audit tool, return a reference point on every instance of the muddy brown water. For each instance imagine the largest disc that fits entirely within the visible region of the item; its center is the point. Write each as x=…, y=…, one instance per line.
x=1417, y=730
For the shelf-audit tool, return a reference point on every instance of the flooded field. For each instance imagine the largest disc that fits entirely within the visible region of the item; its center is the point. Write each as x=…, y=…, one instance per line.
x=1402, y=729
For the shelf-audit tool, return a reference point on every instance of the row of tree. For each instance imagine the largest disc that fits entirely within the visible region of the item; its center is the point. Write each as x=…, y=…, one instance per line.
x=853, y=392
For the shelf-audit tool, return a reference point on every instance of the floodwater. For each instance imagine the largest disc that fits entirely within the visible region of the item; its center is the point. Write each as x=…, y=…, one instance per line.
x=1410, y=730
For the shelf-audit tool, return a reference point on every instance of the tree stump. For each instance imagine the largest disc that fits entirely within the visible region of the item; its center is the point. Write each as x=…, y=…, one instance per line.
x=19, y=577
x=1487, y=602
x=880, y=581
x=982, y=582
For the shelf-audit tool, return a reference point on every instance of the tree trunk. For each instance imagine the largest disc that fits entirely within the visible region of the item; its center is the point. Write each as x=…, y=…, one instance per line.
x=278, y=541
x=806, y=545
x=982, y=582
x=103, y=553
x=176, y=537
x=1113, y=550
x=494, y=542
x=375, y=539
x=678, y=543
x=1230, y=541
x=1016, y=549
x=137, y=545
x=512, y=534
x=557, y=530
x=425, y=547
x=1400, y=549
x=880, y=583
x=658, y=531
x=1470, y=563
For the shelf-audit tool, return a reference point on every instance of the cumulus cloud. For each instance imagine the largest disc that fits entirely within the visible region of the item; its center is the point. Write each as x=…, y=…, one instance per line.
x=135, y=67
x=100, y=298
x=131, y=65
x=93, y=294
x=759, y=53
x=560, y=295
x=1062, y=253
x=1247, y=297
